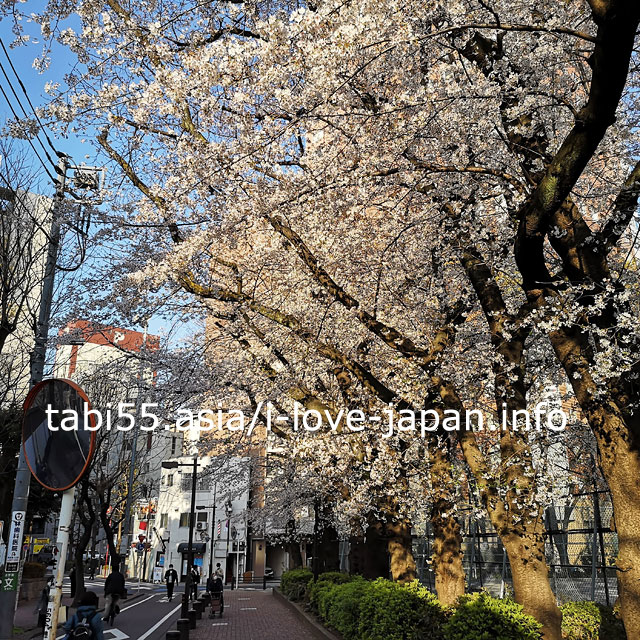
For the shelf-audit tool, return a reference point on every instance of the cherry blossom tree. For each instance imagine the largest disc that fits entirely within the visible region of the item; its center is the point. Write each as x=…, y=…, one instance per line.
x=406, y=205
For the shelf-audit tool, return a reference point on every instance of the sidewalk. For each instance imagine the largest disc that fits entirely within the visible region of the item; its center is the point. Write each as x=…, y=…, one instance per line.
x=252, y=615
x=25, y=623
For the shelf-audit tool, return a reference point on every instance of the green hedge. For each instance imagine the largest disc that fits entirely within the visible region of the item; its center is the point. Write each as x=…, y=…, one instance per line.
x=392, y=611
x=294, y=583
x=342, y=607
x=382, y=610
x=481, y=617
x=316, y=590
x=590, y=621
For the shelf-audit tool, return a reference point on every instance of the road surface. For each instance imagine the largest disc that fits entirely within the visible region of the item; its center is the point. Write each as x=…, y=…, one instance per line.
x=147, y=617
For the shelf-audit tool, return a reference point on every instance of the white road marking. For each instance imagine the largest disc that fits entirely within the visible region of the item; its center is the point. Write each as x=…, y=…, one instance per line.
x=117, y=634
x=248, y=608
x=157, y=624
x=218, y=624
x=135, y=604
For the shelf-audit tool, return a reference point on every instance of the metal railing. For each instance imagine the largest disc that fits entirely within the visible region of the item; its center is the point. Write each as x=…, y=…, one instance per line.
x=580, y=549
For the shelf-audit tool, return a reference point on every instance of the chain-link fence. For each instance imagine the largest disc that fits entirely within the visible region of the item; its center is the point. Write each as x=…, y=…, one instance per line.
x=581, y=548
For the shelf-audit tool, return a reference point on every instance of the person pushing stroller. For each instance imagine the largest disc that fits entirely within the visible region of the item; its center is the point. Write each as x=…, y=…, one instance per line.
x=216, y=588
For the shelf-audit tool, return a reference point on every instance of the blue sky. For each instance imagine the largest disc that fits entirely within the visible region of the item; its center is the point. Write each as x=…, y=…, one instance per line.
x=22, y=58
x=62, y=61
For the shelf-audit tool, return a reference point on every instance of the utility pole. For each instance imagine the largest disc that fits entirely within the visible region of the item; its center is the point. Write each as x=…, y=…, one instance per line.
x=11, y=580
x=213, y=524
x=132, y=467
x=192, y=517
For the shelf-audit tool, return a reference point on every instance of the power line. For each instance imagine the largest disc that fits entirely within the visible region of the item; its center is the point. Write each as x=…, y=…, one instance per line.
x=26, y=116
x=17, y=117
x=24, y=90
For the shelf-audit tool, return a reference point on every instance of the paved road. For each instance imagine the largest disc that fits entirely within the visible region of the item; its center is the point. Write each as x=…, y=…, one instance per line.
x=148, y=617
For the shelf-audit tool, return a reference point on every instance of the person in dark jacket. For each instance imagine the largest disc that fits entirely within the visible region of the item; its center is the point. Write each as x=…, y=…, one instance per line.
x=170, y=577
x=72, y=580
x=87, y=610
x=114, y=589
x=93, y=565
x=215, y=588
x=43, y=603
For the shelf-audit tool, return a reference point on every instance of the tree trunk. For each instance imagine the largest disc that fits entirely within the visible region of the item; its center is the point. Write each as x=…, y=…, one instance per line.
x=531, y=585
x=447, y=554
x=114, y=559
x=400, y=549
x=368, y=555
x=620, y=463
x=295, y=555
x=447, y=544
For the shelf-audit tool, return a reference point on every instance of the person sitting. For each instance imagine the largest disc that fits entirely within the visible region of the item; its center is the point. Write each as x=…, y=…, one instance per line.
x=85, y=624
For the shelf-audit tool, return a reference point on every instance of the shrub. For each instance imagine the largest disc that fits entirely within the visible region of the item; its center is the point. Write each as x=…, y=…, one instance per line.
x=33, y=570
x=315, y=590
x=481, y=617
x=342, y=610
x=391, y=611
x=316, y=593
x=590, y=621
x=337, y=577
x=294, y=583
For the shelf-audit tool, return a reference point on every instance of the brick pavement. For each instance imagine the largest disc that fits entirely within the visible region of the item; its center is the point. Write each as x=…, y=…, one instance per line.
x=252, y=615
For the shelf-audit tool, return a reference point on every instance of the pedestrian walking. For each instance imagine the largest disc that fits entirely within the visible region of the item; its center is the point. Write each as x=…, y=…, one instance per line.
x=193, y=586
x=215, y=588
x=170, y=577
x=218, y=572
x=85, y=623
x=93, y=565
x=72, y=580
x=43, y=603
x=114, y=589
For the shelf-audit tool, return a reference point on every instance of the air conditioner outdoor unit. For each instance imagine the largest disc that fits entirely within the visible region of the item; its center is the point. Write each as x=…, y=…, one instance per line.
x=200, y=525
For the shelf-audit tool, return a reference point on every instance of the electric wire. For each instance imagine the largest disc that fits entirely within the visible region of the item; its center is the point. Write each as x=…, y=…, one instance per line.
x=17, y=117
x=24, y=90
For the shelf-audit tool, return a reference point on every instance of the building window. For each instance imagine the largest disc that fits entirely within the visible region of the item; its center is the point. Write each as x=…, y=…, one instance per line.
x=185, y=519
x=164, y=520
x=174, y=442
x=149, y=441
x=170, y=480
x=146, y=467
x=202, y=516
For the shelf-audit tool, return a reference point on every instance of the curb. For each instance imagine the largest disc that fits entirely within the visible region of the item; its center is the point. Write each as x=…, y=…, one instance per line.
x=319, y=631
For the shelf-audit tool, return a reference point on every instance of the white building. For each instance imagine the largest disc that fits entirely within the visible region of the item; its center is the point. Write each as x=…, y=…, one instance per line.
x=25, y=221
x=105, y=361
x=220, y=527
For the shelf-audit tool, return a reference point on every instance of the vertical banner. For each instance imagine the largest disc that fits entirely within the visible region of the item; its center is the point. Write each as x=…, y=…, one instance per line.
x=14, y=546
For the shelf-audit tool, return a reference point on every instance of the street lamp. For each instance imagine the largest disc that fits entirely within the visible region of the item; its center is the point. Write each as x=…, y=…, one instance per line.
x=213, y=524
x=174, y=464
x=228, y=509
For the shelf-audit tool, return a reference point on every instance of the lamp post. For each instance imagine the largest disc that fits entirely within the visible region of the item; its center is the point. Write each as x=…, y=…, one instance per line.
x=174, y=464
x=213, y=524
x=228, y=509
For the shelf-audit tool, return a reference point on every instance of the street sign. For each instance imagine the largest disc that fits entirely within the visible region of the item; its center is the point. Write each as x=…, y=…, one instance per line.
x=57, y=458
x=14, y=543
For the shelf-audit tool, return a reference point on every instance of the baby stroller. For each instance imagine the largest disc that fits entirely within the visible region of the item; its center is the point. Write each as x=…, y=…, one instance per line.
x=215, y=588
